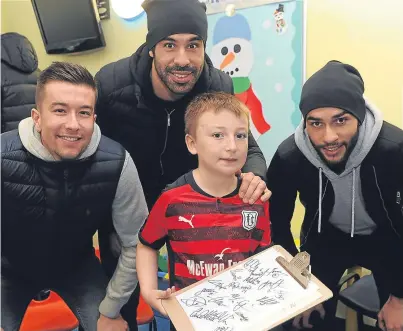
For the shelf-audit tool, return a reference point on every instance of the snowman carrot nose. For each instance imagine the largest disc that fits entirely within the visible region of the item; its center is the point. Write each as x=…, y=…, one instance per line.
x=227, y=60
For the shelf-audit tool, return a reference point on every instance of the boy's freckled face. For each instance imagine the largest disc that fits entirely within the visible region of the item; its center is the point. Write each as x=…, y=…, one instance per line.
x=221, y=141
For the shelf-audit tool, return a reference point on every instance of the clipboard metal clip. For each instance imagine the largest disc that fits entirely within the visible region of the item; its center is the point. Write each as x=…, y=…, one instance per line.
x=299, y=267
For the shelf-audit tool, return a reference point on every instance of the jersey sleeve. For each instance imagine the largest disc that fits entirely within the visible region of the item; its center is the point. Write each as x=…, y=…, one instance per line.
x=154, y=231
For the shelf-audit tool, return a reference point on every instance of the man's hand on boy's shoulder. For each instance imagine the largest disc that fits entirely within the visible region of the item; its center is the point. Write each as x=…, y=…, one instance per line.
x=252, y=188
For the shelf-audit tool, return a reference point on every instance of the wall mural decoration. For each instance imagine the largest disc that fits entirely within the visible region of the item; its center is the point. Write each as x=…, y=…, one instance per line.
x=260, y=45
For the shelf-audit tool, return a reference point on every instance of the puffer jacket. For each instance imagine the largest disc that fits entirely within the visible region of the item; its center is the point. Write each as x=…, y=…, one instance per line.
x=19, y=73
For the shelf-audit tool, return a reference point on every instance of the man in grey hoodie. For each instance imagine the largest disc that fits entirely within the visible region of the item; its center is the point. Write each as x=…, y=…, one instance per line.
x=346, y=163
x=62, y=181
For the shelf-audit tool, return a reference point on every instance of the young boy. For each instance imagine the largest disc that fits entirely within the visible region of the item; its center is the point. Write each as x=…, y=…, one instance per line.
x=205, y=224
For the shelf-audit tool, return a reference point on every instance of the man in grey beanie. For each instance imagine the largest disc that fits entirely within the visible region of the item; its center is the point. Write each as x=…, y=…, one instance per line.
x=346, y=163
x=142, y=100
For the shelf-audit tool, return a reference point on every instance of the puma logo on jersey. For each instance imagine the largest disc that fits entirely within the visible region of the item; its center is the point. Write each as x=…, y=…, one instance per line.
x=183, y=219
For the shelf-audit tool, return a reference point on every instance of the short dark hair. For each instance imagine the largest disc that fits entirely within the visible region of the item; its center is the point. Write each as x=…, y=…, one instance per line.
x=64, y=72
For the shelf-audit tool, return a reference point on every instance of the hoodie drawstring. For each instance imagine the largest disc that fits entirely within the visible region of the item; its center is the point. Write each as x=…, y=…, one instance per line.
x=320, y=201
x=353, y=206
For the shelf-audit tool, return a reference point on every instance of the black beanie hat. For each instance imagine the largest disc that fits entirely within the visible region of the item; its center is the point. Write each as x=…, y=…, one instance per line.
x=336, y=85
x=168, y=17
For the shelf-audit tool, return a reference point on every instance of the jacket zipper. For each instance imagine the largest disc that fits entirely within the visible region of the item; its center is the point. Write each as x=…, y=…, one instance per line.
x=66, y=176
x=66, y=188
x=383, y=204
x=166, y=137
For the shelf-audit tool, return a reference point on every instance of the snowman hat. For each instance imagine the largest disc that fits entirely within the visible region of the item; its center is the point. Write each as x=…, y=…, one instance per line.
x=236, y=26
x=280, y=9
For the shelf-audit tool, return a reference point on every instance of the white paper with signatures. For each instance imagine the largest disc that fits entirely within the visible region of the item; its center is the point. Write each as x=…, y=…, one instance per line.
x=252, y=296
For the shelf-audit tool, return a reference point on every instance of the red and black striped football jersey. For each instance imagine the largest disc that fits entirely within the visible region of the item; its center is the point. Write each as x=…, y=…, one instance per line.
x=204, y=234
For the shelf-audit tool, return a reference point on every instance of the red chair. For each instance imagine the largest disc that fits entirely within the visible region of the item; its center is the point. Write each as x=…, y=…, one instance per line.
x=50, y=314
x=145, y=315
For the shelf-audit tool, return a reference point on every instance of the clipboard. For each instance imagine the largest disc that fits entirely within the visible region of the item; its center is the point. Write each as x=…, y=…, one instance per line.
x=297, y=267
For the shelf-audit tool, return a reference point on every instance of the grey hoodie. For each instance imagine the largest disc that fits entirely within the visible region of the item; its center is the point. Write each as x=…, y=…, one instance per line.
x=348, y=214
x=129, y=211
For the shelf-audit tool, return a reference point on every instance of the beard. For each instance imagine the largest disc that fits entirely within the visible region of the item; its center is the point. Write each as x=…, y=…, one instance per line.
x=337, y=166
x=165, y=74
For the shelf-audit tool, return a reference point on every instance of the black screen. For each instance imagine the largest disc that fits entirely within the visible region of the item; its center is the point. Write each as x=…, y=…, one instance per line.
x=66, y=20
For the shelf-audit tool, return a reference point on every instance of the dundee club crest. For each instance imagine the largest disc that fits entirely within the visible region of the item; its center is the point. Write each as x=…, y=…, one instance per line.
x=249, y=219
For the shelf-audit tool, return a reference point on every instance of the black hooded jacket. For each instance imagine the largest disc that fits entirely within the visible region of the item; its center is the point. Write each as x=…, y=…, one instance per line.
x=19, y=73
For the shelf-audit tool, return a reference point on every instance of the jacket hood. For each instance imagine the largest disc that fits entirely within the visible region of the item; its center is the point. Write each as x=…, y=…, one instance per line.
x=31, y=139
x=18, y=52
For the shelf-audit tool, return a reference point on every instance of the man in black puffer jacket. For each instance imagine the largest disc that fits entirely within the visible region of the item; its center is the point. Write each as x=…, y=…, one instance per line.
x=143, y=98
x=19, y=72
x=61, y=181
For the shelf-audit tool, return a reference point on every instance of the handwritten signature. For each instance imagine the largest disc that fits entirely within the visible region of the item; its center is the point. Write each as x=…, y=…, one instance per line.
x=234, y=274
x=208, y=291
x=212, y=315
x=239, y=286
x=270, y=286
x=196, y=301
x=218, y=283
x=267, y=301
x=240, y=304
x=224, y=328
x=218, y=301
x=242, y=317
x=230, y=298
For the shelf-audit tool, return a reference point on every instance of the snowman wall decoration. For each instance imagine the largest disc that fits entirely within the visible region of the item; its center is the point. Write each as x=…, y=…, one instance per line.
x=232, y=53
x=281, y=25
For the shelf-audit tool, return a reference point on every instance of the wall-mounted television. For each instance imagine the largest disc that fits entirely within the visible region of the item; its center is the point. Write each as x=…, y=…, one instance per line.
x=68, y=26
